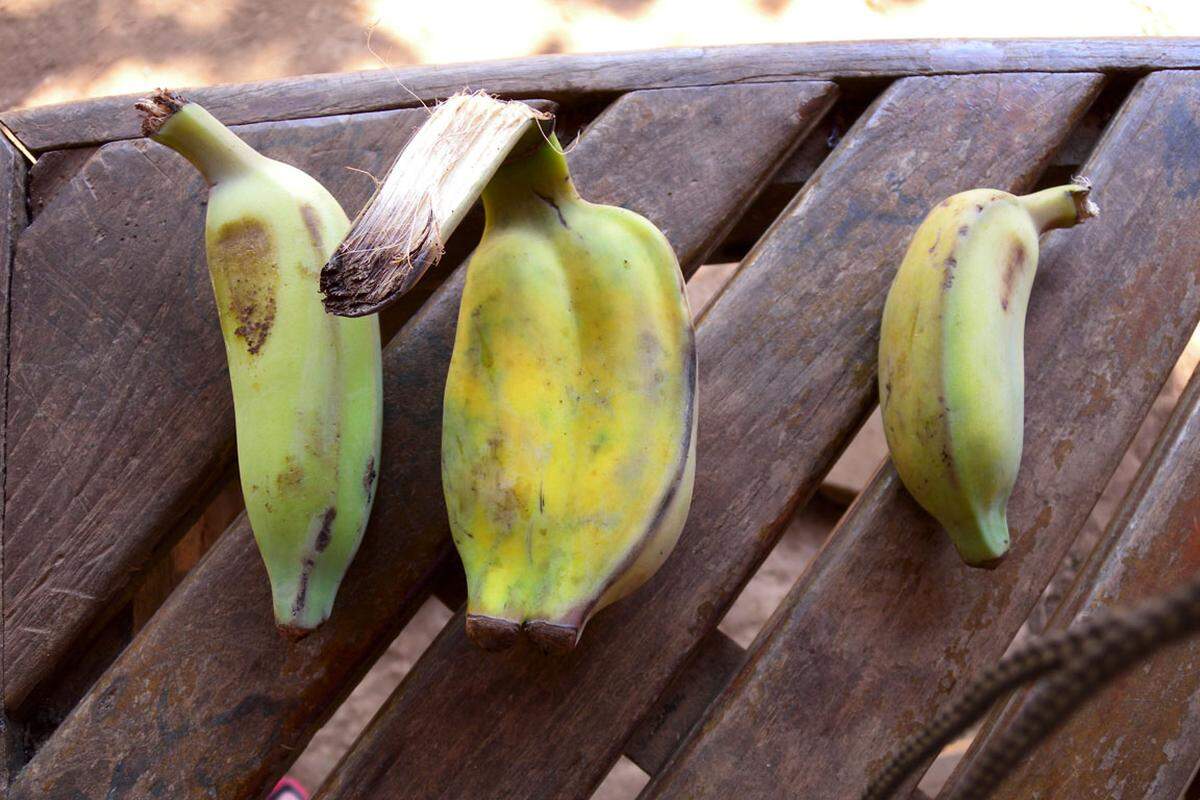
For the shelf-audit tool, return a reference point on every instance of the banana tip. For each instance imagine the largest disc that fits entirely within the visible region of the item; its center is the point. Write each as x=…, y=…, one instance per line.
x=293, y=633
x=989, y=563
x=497, y=633
x=492, y=633
x=552, y=638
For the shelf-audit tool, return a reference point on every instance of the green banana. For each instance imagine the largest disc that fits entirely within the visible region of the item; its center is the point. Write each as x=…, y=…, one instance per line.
x=307, y=386
x=951, y=356
x=568, y=439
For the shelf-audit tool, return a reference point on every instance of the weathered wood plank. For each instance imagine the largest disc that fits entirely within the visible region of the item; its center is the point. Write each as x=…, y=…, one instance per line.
x=690, y=693
x=12, y=222
x=53, y=171
x=565, y=76
x=121, y=416
x=53, y=698
x=1140, y=736
x=887, y=622
x=209, y=695
x=787, y=361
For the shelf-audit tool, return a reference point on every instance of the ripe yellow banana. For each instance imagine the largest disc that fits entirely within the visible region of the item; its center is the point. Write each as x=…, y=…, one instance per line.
x=951, y=356
x=568, y=441
x=306, y=385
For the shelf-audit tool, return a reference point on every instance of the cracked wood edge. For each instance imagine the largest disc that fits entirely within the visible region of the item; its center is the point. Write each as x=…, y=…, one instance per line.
x=12, y=220
x=561, y=77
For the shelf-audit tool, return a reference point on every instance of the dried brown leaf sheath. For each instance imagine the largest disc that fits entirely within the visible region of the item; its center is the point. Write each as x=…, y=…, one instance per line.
x=402, y=230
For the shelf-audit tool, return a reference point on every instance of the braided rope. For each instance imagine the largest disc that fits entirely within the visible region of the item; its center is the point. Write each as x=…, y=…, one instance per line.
x=1127, y=639
x=1084, y=657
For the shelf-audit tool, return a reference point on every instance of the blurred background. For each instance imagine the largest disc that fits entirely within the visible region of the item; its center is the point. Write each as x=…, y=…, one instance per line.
x=58, y=50
x=54, y=51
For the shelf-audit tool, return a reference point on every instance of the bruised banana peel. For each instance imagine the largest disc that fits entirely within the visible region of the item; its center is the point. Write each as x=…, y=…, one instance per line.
x=568, y=442
x=951, y=356
x=307, y=386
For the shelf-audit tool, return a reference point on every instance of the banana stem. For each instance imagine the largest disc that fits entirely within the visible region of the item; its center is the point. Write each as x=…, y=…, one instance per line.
x=196, y=135
x=539, y=178
x=1060, y=206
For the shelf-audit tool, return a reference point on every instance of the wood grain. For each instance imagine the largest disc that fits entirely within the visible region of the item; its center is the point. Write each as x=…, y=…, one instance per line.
x=563, y=77
x=53, y=170
x=887, y=622
x=12, y=222
x=684, y=702
x=787, y=362
x=121, y=416
x=163, y=576
x=1140, y=736
x=209, y=698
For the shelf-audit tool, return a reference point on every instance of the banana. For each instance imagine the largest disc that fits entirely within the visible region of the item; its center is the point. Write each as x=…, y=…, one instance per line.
x=951, y=356
x=307, y=387
x=569, y=423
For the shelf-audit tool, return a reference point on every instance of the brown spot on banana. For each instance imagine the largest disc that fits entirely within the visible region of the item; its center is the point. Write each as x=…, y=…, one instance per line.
x=296, y=632
x=314, y=227
x=948, y=273
x=550, y=202
x=1014, y=268
x=291, y=476
x=369, y=477
x=242, y=258
x=326, y=532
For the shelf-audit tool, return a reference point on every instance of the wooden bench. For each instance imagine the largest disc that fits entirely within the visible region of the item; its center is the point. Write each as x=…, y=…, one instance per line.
x=811, y=164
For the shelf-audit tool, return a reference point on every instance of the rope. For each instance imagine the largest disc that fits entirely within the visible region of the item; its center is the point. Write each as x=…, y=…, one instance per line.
x=1082, y=659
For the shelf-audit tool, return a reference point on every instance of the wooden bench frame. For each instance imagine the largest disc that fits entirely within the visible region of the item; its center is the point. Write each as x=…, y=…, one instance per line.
x=118, y=430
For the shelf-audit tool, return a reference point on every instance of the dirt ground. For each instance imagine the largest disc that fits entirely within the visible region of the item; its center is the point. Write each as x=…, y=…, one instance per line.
x=58, y=50
x=61, y=50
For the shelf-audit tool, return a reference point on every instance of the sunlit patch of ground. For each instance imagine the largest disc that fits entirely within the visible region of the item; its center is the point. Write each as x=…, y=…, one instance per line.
x=59, y=50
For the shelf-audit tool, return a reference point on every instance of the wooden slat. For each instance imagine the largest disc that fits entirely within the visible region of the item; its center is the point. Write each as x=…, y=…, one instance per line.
x=52, y=172
x=684, y=702
x=121, y=417
x=12, y=221
x=1140, y=736
x=560, y=77
x=209, y=694
x=887, y=622
x=52, y=699
x=787, y=373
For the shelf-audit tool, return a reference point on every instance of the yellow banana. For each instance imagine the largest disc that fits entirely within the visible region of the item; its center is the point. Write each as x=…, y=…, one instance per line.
x=306, y=385
x=568, y=441
x=951, y=356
